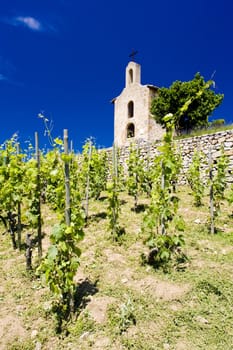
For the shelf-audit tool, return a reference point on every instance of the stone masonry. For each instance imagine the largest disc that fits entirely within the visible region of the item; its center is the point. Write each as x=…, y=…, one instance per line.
x=132, y=118
x=206, y=143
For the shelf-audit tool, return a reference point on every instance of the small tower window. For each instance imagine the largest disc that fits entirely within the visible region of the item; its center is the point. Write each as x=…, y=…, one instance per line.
x=130, y=130
x=130, y=109
x=131, y=76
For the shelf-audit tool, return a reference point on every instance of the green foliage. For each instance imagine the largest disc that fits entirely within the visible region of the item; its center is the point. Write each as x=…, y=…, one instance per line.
x=52, y=183
x=12, y=185
x=19, y=182
x=217, y=184
x=194, y=178
x=21, y=344
x=198, y=312
x=126, y=316
x=230, y=195
x=117, y=168
x=163, y=208
x=204, y=131
x=59, y=268
x=148, y=175
x=219, y=180
x=93, y=170
x=136, y=173
x=161, y=211
x=123, y=316
x=217, y=123
x=164, y=202
x=32, y=193
x=164, y=249
x=191, y=103
x=99, y=172
x=83, y=324
x=114, y=208
x=61, y=262
x=206, y=288
x=11, y=176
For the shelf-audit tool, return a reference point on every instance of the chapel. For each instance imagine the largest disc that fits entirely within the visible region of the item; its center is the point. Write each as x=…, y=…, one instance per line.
x=132, y=117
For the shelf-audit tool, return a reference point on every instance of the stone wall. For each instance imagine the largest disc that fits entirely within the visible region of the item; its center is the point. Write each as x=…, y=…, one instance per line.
x=187, y=146
x=208, y=143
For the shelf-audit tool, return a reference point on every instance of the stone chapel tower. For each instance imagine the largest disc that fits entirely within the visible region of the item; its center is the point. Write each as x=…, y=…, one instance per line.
x=132, y=118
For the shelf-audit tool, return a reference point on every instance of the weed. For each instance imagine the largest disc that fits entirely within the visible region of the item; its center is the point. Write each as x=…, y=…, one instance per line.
x=83, y=324
x=122, y=317
x=21, y=345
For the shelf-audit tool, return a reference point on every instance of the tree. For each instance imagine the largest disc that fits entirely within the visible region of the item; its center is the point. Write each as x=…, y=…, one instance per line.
x=172, y=99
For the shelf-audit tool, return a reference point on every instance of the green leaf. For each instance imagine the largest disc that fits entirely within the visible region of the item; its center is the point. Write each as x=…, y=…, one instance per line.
x=164, y=255
x=57, y=233
x=58, y=141
x=52, y=253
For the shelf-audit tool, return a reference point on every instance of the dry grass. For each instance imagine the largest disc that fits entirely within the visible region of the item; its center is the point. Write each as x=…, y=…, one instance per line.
x=205, y=131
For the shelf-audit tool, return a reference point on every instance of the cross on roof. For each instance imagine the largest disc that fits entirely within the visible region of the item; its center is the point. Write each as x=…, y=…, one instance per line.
x=133, y=54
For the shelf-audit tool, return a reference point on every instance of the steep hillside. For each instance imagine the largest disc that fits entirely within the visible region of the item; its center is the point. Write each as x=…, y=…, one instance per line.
x=122, y=303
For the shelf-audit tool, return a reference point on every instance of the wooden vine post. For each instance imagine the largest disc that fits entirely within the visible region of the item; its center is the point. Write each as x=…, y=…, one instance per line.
x=67, y=201
x=211, y=192
x=19, y=224
x=71, y=146
x=148, y=172
x=88, y=181
x=115, y=178
x=38, y=194
x=163, y=229
x=12, y=227
x=114, y=205
x=67, y=180
x=10, y=219
x=115, y=162
x=28, y=252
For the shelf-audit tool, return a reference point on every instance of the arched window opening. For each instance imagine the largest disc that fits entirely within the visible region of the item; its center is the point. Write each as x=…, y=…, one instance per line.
x=130, y=130
x=130, y=109
x=131, y=76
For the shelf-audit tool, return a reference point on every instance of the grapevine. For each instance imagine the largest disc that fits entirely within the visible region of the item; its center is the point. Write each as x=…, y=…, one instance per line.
x=217, y=185
x=163, y=208
x=62, y=260
x=195, y=180
x=136, y=173
x=12, y=172
x=113, y=198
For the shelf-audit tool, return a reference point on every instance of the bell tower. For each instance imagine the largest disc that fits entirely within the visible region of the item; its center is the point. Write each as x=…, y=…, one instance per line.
x=132, y=74
x=132, y=118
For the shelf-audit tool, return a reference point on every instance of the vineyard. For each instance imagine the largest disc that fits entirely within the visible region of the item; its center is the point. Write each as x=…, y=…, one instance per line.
x=94, y=257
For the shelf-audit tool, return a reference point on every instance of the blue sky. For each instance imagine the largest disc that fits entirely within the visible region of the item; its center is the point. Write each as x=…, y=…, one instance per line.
x=67, y=58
